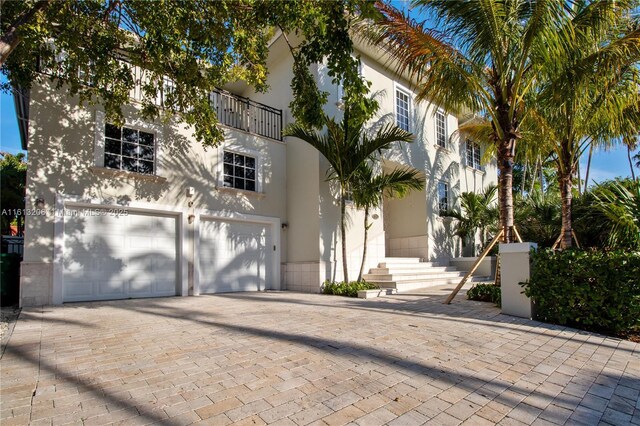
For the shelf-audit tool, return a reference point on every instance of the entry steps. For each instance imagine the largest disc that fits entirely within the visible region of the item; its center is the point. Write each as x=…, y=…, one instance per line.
x=410, y=273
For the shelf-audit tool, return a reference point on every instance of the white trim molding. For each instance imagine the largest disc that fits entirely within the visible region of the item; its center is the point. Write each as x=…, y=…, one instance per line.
x=136, y=123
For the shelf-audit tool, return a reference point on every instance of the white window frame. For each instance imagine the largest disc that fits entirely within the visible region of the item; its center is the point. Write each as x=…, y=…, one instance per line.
x=470, y=144
x=137, y=124
x=441, y=112
x=239, y=149
x=397, y=87
x=448, y=193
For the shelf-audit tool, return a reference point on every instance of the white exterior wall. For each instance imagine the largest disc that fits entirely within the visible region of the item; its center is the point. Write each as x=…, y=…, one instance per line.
x=292, y=189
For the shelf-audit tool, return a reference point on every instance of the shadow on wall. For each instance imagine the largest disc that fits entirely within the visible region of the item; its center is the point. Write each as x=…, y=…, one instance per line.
x=126, y=262
x=438, y=165
x=241, y=259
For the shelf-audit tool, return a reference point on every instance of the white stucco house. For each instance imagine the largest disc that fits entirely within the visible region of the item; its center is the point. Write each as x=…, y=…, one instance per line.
x=145, y=211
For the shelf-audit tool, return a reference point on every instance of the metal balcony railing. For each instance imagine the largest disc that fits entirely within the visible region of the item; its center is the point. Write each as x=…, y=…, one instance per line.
x=244, y=114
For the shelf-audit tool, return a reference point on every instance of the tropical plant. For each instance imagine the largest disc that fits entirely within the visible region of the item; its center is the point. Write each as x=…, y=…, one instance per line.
x=186, y=49
x=346, y=146
x=538, y=217
x=483, y=59
x=13, y=179
x=619, y=203
x=477, y=213
x=368, y=189
x=590, y=94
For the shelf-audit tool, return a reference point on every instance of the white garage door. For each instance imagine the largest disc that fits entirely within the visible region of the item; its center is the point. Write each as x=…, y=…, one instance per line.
x=235, y=256
x=118, y=257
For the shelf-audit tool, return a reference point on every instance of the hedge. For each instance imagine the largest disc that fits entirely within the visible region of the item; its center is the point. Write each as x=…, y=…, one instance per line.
x=349, y=289
x=591, y=290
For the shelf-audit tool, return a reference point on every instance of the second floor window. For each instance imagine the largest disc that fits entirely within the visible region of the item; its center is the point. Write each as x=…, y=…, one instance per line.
x=441, y=129
x=403, y=107
x=129, y=149
x=473, y=155
x=443, y=196
x=239, y=171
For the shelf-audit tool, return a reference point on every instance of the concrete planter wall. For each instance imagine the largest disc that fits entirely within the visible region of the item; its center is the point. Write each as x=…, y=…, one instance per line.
x=515, y=268
x=487, y=267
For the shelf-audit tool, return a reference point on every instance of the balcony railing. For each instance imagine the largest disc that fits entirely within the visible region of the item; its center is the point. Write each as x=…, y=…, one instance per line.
x=244, y=114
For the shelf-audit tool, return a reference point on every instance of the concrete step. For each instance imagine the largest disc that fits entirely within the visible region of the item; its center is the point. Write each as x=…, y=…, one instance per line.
x=411, y=269
x=417, y=275
x=403, y=259
x=410, y=285
x=391, y=264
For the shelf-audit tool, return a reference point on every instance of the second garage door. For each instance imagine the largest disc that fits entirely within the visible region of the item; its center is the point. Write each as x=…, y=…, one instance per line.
x=235, y=256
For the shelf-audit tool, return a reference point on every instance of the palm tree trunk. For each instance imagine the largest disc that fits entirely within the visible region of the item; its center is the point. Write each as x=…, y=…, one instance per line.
x=567, y=198
x=364, y=249
x=586, y=176
x=343, y=235
x=633, y=174
x=505, y=161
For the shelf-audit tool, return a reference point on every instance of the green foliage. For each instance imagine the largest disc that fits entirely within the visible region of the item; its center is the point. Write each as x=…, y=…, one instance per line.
x=349, y=289
x=592, y=290
x=538, y=217
x=485, y=293
x=197, y=45
x=13, y=179
x=608, y=215
x=478, y=213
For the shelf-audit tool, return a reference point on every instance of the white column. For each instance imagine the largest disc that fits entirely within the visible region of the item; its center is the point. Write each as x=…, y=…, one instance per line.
x=514, y=269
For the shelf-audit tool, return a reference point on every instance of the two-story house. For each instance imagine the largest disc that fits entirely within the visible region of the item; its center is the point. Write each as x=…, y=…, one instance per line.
x=143, y=210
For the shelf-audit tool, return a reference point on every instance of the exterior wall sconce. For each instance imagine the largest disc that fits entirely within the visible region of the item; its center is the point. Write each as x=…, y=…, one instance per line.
x=39, y=203
x=191, y=218
x=284, y=226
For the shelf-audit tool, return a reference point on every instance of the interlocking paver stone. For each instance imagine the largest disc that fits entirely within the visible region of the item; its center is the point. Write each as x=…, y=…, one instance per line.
x=300, y=359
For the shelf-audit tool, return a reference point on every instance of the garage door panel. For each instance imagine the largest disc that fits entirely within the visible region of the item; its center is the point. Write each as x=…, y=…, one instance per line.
x=234, y=256
x=109, y=257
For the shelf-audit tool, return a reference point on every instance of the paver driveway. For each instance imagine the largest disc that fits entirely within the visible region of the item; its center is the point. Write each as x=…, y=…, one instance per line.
x=290, y=358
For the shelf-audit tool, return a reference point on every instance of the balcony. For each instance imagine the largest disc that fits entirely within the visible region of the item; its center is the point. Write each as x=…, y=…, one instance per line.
x=244, y=114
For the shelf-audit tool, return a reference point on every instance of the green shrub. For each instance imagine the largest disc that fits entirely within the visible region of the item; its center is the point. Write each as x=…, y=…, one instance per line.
x=591, y=290
x=485, y=293
x=349, y=289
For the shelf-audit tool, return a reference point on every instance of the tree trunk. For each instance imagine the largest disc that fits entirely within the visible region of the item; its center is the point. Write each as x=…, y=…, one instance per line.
x=524, y=177
x=11, y=38
x=505, y=161
x=366, y=234
x=633, y=174
x=343, y=235
x=567, y=198
x=586, y=176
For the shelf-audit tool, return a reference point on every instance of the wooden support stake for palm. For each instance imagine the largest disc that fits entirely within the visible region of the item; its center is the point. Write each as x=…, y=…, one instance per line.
x=474, y=267
x=573, y=234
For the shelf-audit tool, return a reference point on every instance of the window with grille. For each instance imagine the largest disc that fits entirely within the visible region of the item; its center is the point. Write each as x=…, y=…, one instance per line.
x=443, y=196
x=129, y=149
x=473, y=155
x=441, y=129
x=403, y=107
x=239, y=171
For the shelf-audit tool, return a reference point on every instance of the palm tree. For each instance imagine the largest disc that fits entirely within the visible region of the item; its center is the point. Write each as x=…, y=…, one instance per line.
x=591, y=94
x=476, y=213
x=483, y=60
x=369, y=188
x=346, y=146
